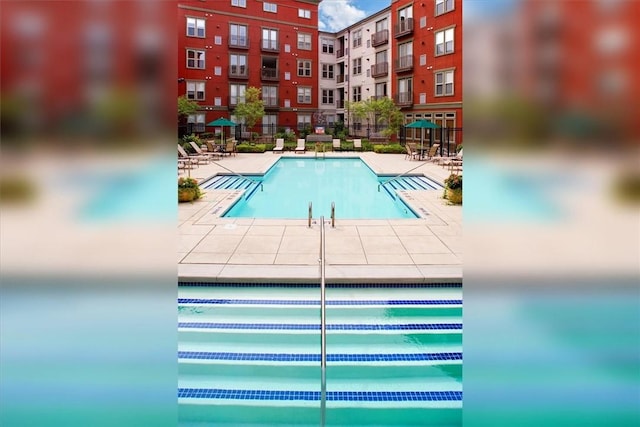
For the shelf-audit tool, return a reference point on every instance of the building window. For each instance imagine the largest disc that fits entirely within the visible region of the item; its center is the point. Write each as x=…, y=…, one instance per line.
x=357, y=93
x=195, y=27
x=304, y=121
x=357, y=66
x=304, y=95
x=236, y=94
x=269, y=123
x=304, y=13
x=444, y=83
x=405, y=90
x=287, y=75
x=357, y=38
x=423, y=98
x=444, y=41
x=423, y=21
x=238, y=35
x=287, y=47
x=381, y=90
x=327, y=46
x=239, y=3
x=327, y=96
x=270, y=7
x=287, y=103
x=217, y=40
x=304, y=68
x=195, y=58
x=423, y=59
x=327, y=71
x=269, y=39
x=217, y=70
x=304, y=41
x=196, y=122
x=195, y=90
x=443, y=6
x=270, y=96
x=217, y=101
x=237, y=65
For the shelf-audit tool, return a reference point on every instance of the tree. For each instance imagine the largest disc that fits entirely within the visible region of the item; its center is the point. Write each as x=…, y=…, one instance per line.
x=252, y=109
x=381, y=111
x=186, y=106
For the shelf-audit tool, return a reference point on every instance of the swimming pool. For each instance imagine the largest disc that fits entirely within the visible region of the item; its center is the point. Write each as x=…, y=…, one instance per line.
x=250, y=355
x=290, y=184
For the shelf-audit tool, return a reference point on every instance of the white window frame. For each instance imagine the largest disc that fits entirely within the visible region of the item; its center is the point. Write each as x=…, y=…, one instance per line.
x=304, y=41
x=270, y=7
x=447, y=80
x=195, y=87
x=357, y=38
x=328, y=97
x=195, y=27
x=239, y=3
x=197, y=120
x=240, y=90
x=270, y=42
x=266, y=97
x=328, y=46
x=195, y=60
x=303, y=120
x=328, y=71
x=304, y=67
x=238, y=36
x=445, y=41
x=304, y=94
x=242, y=67
x=356, y=93
x=304, y=13
x=357, y=66
x=442, y=5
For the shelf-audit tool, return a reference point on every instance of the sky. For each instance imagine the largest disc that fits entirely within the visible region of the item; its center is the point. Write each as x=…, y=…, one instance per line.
x=335, y=15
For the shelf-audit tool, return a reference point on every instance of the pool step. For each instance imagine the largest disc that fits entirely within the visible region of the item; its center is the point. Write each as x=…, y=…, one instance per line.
x=411, y=182
x=232, y=182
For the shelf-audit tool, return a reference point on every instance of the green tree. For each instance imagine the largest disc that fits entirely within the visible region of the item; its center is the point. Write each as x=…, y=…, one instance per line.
x=381, y=111
x=252, y=109
x=186, y=106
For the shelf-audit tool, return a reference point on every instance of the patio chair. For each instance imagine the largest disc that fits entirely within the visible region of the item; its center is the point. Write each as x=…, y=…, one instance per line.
x=336, y=145
x=279, y=145
x=412, y=152
x=301, y=146
x=454, y=163
x=209, y=153
x=229, y=148
x=432, y=152
x=197, y=158
x=357, y=144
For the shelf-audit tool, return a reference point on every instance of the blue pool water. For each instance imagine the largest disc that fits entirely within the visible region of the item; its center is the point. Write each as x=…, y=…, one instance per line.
x=291, y=184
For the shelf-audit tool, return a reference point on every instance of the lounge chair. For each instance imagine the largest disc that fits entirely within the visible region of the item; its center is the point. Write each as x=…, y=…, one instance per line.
x=336, y=145
x=301, y=146
x=229, y=148
x=432, y=152
x=454, y=163
x=279, y=145
x=195, y=158
x=412, y=152
x=209, y=153
x=357, y=144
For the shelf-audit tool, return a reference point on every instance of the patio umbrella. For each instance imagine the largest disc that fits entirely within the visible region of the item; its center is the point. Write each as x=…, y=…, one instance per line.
x=222, y=122
x=422, y=124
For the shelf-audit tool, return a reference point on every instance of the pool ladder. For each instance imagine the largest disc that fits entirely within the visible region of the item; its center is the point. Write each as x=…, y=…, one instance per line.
x=323, y=328
x=333, y=215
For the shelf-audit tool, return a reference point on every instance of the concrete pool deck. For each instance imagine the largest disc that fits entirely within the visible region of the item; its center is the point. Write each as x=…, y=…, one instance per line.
x=402, y=250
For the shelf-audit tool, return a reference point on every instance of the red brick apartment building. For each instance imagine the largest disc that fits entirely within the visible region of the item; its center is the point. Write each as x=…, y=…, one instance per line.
x=225, y=46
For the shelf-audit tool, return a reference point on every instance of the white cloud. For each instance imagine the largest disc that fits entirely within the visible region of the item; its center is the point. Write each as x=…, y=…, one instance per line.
x=336, y=15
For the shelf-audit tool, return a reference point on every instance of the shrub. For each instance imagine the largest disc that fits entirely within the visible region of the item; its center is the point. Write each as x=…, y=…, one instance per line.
x=188, y=190
x=248, y=148
x=389, y=149
x=458, y=148
x=453, y=182
x=207, y=135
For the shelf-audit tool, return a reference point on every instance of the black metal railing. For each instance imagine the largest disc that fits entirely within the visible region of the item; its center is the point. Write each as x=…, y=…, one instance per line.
x=404, y=27
x=404, y=63
x=380, y=69
x=380, y=38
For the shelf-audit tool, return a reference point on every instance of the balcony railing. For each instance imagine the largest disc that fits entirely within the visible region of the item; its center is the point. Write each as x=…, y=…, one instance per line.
x=380, y=70
x=270, y=101
x=404, y=27
x=339, y=103
x=403, y=98
x=380, y=38
x=235, y=100
x=339, y=53
x=404, y=63
x=269, y=45
x=341, y=78
x=239, y=42
x=376, y=97
x=269, y=74
x=238, y=72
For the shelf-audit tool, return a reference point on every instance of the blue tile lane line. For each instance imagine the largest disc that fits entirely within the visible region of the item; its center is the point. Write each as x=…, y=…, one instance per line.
x=331, y=327
x=285, y=357
x=366, y=396
x=316, y=302
x=329, y=285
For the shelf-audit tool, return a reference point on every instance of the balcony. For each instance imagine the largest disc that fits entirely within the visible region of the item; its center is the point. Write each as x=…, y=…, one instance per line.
x=268, y=45
x=377, y=97
x=380, y=38
x=235, y=100
x=402, y=28
x=404, y=63
x=403, y=99
x=340, y=53
x=238, y=42
x=269, y=74
x=238, y=72
x=380, y=70
x=340, y=103
x=341, y=78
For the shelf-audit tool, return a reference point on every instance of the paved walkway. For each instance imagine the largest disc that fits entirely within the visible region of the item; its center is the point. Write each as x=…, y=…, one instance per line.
x=404, y=250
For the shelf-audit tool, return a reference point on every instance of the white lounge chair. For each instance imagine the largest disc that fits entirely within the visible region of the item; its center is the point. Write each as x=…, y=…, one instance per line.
x=301, y=146
x=357, y=144
x=195, y=158
x=209, y=154
x=279, y=145
x=336, y=145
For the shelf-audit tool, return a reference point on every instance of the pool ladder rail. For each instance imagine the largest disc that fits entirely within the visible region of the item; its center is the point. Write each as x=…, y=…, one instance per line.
x=333, y=215
x=323, y=328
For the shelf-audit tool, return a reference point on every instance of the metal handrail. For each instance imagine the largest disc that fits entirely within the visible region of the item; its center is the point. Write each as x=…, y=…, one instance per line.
x=310, y=216
x=381, y=184
x=239, y=175
x=323, y=328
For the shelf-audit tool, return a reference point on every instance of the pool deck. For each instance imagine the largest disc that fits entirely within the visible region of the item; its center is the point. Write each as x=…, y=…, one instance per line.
x=215, y=249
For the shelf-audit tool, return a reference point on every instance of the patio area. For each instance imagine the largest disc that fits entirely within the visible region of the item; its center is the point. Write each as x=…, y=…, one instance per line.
x=400, y=250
